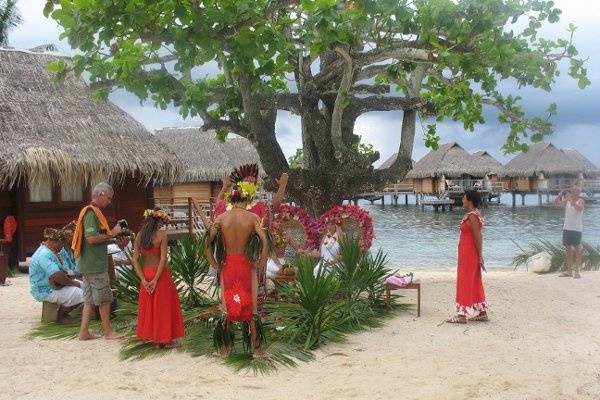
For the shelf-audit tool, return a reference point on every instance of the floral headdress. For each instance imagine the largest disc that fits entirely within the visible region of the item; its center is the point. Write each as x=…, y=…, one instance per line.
x=245, y=184
x=158, y=214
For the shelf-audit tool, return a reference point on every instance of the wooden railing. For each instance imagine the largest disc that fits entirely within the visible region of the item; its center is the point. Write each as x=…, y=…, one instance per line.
x=183, y=212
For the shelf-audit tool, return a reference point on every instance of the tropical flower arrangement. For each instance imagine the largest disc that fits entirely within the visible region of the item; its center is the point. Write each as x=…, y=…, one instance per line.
x=159, y=214
x=287, y=213
x=347, y=215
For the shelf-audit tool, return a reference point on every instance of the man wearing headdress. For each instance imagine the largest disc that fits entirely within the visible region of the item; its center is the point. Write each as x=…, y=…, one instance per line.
x=261, y=209
x=49, y=282
x=238, y=275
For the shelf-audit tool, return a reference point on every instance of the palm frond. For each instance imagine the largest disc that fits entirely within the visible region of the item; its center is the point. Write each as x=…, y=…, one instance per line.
x=590, y=255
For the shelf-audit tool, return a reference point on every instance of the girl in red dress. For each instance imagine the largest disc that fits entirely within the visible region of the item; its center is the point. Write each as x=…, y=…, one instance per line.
x=470, y=296
x=159, y=312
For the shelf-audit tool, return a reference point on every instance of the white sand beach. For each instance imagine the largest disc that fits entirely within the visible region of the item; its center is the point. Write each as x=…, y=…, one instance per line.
x=543, y=343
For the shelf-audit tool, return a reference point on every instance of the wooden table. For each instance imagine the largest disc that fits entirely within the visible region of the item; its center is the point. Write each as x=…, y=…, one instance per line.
x=414, y=285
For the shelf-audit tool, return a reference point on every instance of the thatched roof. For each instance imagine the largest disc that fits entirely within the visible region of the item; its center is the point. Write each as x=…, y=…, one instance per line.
x=58, y=130
x=449, y=160
x=204, y=157
x=550, y=160
x=388, y=163
x=486, y=163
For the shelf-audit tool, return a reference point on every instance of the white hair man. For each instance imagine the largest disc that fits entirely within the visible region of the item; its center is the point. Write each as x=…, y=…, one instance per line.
x=90, y=241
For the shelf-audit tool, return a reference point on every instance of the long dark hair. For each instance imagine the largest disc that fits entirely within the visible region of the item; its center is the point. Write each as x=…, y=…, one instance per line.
x=148, y=229
x=474, y=197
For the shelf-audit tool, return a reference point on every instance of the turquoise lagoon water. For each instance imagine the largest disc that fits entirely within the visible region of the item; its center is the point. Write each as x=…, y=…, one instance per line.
x=423, y=239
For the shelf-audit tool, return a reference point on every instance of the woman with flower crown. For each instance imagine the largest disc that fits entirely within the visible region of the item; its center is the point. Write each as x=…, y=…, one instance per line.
x=159, y=312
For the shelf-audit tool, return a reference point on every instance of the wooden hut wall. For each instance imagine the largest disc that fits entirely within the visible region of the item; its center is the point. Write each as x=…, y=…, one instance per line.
x=428, y=185
x=200, y=191
x=163, y=193
x=129, y=202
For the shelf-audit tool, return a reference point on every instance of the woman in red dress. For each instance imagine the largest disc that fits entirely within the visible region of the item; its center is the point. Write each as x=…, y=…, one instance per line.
x=159, y=312
x=470, y=296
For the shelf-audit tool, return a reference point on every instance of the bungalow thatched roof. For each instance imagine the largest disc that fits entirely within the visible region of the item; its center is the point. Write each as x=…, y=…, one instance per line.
x=449, y=160
x=50, y=129
x=487, y=164
x=205, y=158
x=550, y=160
x=388, y=163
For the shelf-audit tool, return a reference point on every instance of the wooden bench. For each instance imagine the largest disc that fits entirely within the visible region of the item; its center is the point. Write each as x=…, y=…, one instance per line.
x=388, y=294
x=49, y=312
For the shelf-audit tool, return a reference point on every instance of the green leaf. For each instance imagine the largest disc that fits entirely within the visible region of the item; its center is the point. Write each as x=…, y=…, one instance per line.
x=221, y=135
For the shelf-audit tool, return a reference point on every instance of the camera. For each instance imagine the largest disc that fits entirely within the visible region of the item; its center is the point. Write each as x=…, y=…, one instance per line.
x=125, y=231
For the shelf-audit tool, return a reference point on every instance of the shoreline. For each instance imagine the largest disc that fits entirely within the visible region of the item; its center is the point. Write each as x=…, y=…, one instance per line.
x=542, y=332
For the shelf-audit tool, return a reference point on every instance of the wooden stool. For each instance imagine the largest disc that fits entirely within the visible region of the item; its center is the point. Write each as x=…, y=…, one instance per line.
x=413, y=285
x=49, y=312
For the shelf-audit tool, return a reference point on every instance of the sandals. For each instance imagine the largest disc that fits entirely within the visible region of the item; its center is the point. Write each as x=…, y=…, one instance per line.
x=457, y=319
x=480, y=318
x=566, y=274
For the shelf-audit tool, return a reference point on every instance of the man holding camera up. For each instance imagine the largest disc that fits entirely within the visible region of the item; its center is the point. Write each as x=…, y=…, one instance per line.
x=90, y=241
x=572, y=228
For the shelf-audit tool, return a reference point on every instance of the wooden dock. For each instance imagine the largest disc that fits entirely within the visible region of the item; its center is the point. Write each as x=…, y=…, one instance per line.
x=438, y=203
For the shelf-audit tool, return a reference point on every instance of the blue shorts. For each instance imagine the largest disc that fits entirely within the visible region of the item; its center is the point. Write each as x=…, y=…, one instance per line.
x=571, y=238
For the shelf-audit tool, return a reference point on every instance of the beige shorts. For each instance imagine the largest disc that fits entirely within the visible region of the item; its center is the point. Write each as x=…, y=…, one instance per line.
x=96, y=289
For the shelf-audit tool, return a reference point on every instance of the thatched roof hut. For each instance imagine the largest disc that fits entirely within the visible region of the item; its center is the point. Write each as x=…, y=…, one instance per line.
x=450, y=160
x=547, y=159
x=205, y=158
x=56, y=131
x=486, y=163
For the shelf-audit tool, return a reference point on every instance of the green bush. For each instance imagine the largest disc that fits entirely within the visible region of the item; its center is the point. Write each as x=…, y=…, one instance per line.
x=189, y=268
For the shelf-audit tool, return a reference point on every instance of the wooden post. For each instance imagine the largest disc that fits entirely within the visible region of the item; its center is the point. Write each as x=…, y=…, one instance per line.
x=540, y=201
x=395, y=197
x=190, y=217
x=406, y=199
x=548, y=197
x=514, y=199
x=522, y=199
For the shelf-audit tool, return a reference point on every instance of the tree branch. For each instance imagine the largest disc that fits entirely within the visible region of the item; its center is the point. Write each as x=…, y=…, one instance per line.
x=384, y=103
x=340, y=103
x=404, y=53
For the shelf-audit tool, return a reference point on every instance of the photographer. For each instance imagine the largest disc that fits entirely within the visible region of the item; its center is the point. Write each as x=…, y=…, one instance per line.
x=572, y=229
x=90, y=241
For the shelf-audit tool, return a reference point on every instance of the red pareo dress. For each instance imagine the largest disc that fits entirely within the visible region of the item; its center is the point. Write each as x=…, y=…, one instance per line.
x=260, y=209
x=159, y=314
x=470, y=295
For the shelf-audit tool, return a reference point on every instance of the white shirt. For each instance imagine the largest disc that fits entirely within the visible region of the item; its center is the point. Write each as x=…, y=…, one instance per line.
x=117, y=253
x=573, y=218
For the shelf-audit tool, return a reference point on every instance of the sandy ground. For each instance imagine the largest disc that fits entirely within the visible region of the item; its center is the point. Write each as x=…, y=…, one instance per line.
x=543, y=343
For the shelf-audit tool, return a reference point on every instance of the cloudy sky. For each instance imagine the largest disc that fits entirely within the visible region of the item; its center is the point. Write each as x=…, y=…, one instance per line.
x=577, y=122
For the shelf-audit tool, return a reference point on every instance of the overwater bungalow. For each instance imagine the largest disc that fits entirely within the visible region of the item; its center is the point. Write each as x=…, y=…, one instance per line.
x=547, y=169
x=206, y=161
x=451, y=168
x=57, y=143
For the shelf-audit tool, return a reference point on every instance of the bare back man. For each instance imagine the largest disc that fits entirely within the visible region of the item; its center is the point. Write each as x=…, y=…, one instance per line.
x=238, y=276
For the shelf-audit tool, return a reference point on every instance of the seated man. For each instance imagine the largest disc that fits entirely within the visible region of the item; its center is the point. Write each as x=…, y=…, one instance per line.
x=48, y=281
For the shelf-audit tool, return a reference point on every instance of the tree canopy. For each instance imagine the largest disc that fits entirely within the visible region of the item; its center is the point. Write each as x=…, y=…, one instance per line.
x=329, y=62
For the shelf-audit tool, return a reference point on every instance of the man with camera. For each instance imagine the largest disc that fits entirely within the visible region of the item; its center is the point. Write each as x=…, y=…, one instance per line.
x=90, y=241
x=572, y=229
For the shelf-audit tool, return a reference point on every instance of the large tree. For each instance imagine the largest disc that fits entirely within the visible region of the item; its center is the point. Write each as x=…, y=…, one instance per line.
x=328, y=62
x=9, y=18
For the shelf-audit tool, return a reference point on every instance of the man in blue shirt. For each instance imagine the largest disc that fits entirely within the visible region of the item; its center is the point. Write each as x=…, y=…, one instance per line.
x=48, y=280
